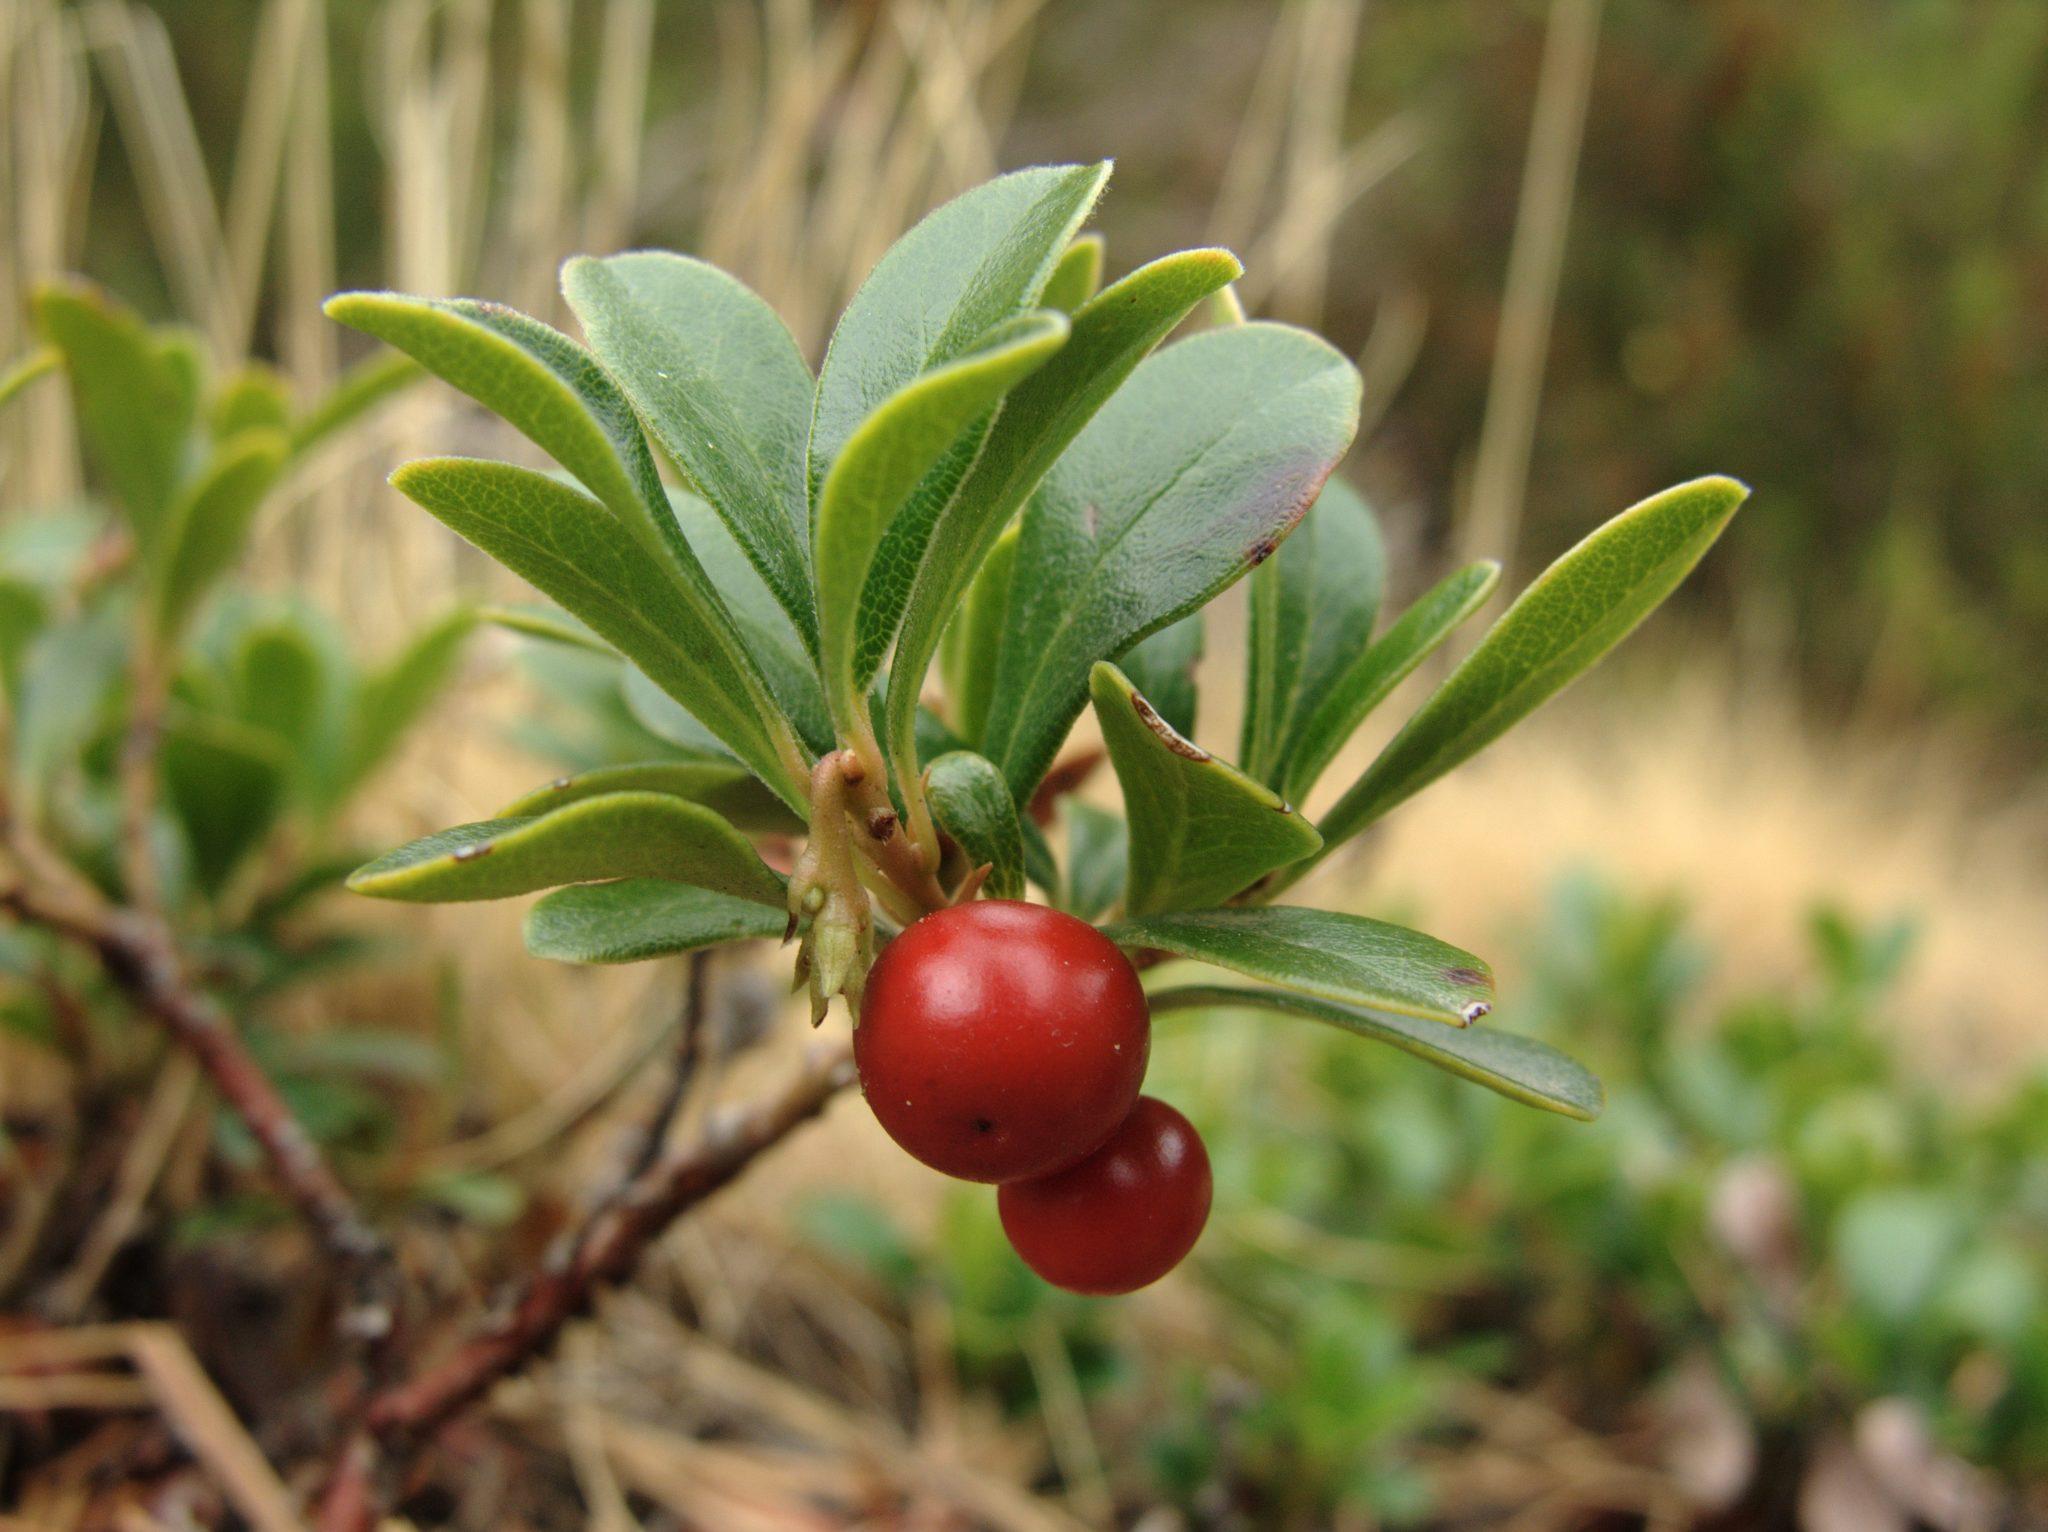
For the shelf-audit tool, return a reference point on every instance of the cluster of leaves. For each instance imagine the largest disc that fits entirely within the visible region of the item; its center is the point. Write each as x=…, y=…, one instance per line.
x=125, y=648
x=996, y=472
x=1779, y=1208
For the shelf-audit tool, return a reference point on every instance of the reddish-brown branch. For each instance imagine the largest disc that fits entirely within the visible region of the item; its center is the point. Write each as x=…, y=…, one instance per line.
x=140, y=959
x=604, y=1251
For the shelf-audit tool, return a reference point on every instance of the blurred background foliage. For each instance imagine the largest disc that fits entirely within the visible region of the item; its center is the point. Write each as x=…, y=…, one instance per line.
x=1796, y=1272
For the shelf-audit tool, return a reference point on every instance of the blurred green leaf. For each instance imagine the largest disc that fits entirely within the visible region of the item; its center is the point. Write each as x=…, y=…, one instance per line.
x=478, y=1197
x=391, y=699
x=718, y=379
x=1074, y=280
x=725, y=787
x=878, y=467
x=1334, y=713
x=631, y=921
x=1892, y=1245
x=565, y=545
x=1188, y=477
x=17, y=376
x=1200, y=830
x=1573, y=613
x=137, y=397
x=618, y=835
x=1520, y=1068
x=23, y=611
x=1346, y=958
x=225, y=784
x=1098, y=851
x=358, y=391
x=974, y=807
x=256, y=398
x=208, y=525
x=1110, y=336
x=533, y=620
x=1313, y=606
x=69, y=678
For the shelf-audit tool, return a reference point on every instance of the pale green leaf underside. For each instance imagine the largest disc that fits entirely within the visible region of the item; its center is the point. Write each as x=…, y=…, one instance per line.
x=882, y=462
x=1189, y=476
x=618, y=835
x=726, y=788
x=1573, y=613
x=1348, y=699
x=1313, y=606
x=567, y=546
x=638, y=919
x=968, y=660
x=973, y=806
x=967, y=267
x=1098, y=852
x=1520, y=1068
x=1346, y=958
x=1111, y=335
x=1200, y=830
x=1077, y=276
x=718, y=379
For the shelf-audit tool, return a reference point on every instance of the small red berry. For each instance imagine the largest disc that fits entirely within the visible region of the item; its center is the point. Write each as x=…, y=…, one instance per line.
x=1121, y=1218
x=1000, y=1039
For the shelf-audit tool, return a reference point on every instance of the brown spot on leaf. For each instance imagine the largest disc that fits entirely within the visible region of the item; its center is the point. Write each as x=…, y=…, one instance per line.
x=1464, y=976
x=882, y=823
x=1263, y=550
x=1168, y=737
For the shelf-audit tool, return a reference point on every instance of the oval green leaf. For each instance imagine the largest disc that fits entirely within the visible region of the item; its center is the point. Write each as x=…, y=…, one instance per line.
x=1373, y=673
x=1189, y=477
x=1520, y=1068
x=640, y=918
x=725, y=787
x=718, y=379
x=619, y=835
x=208, y=526
x=1574, y=612
x=1313, y=606
x=1200, y=829
x=1079, y=273
x=973, y=806
x=1346, y=958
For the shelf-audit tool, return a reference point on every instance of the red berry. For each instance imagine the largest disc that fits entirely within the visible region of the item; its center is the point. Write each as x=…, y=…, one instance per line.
x=1121, y=1218
x=999, y=1039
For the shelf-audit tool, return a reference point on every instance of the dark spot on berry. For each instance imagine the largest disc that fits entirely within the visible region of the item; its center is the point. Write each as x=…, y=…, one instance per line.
x=984, y=1125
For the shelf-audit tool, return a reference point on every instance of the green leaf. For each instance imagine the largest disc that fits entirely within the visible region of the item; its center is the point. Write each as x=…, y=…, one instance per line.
x=1373, y=673
x=207, y=527
x=1574, y=612
x=1346, y=958
x=23, y=611
x=879, y=466
x=16, y=377
x=717, y=378
x=532, y=620
x=1189, y=477
x=137, y=397
x=1074, y=280
x=1111, y=335
x=667, y=719
x=288, y=683
x=968, y=267
x=637, y=919
x=725, y=787
x=358, y=391
x=68, y=682
x=1200, y=830
x=1163, y=668
x=225, y=784
x=778, y=650
x=967, y=659
x=567, y=547
x=1098, y=848
x=392, y=699
x=974, y=807
x=1520, y=1068
x=1040, y=866
x=254, y=399
x=1892, y=1245
x=552, y=391
x=1313, y=606
x=619, y=835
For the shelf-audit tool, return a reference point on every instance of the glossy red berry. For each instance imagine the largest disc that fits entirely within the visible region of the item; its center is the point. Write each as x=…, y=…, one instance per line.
x=999, y=1039
x=1121, y=1218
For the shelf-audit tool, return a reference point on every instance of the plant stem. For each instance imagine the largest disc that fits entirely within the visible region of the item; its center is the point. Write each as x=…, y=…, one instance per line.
x=605, y=1250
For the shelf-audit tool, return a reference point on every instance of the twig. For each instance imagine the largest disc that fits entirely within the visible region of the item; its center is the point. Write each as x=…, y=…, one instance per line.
x=604, y=1251
x=644, y=1148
